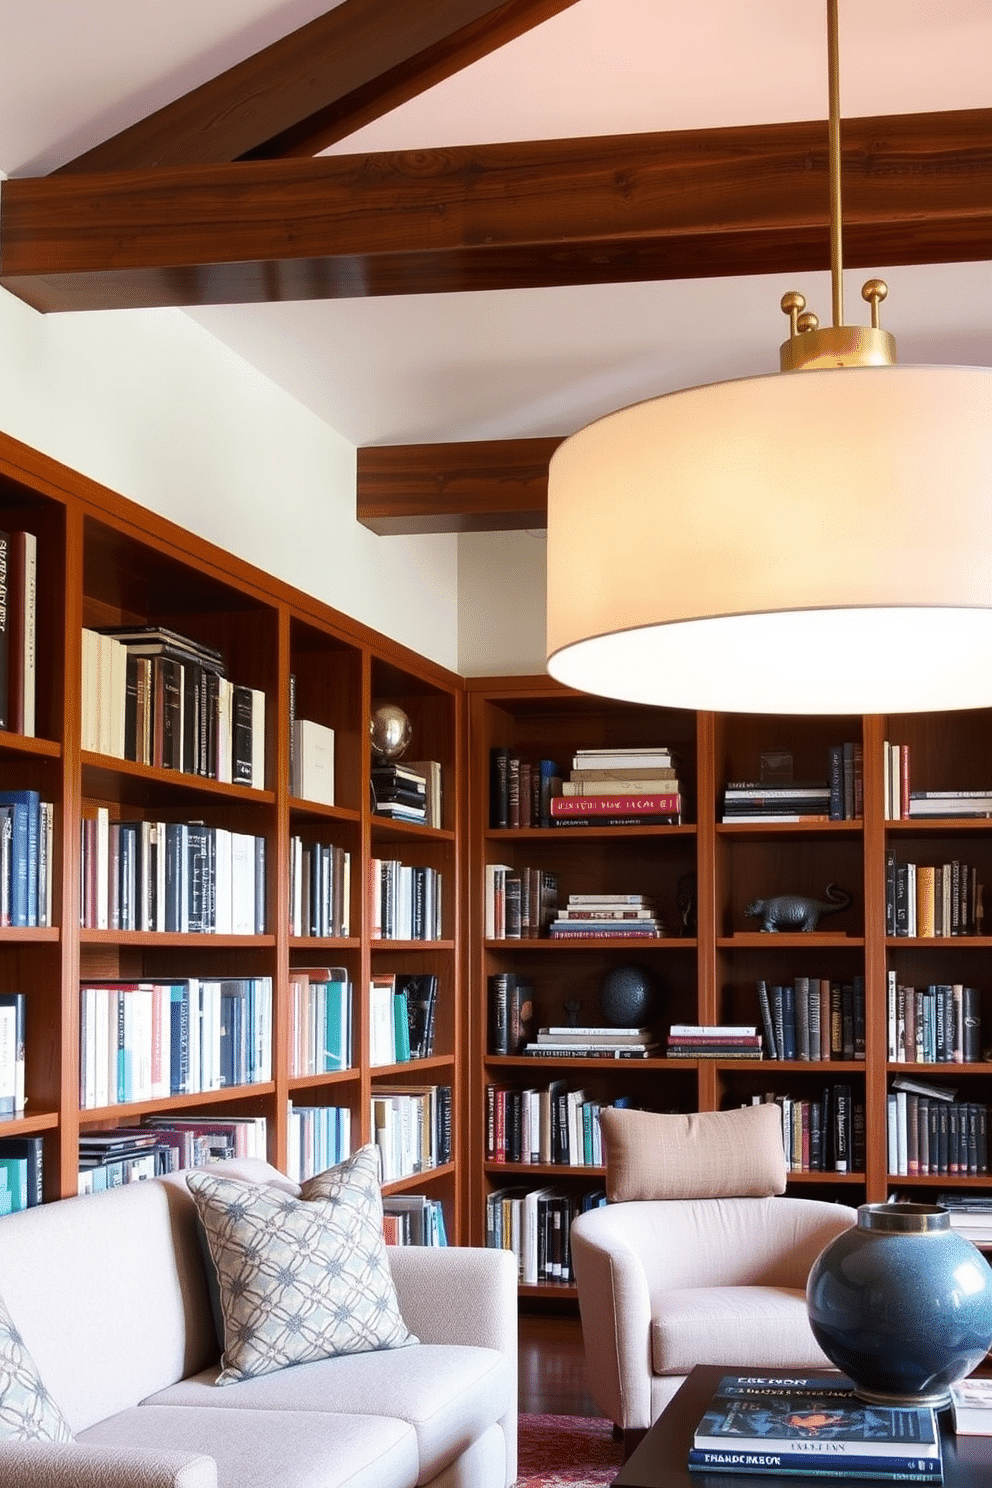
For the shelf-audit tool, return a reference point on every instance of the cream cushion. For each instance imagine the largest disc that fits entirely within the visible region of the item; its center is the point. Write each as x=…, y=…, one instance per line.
x=704, y=1154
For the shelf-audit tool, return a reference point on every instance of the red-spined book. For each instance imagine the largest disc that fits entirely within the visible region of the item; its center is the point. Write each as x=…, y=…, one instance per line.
x=653, y=804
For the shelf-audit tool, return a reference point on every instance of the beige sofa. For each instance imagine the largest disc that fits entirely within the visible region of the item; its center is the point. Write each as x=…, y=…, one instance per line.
x=110, y=1296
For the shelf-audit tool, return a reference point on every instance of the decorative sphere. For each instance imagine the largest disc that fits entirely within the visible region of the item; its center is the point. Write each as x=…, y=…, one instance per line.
x=902, y=1304
x=390, y=730
x=629, y=997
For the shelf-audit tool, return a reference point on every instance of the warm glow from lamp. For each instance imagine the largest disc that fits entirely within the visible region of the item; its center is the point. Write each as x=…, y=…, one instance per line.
x=819, y=541
x=810, y=542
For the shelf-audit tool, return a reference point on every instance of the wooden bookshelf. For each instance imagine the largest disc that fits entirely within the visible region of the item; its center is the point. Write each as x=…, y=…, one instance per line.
x=711, y=976
x=104, y=561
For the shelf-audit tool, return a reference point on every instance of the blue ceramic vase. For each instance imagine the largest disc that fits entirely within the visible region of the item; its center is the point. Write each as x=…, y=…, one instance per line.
x=902, y=1304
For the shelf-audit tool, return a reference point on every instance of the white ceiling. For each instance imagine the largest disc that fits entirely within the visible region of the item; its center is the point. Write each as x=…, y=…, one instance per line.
x=530, y=362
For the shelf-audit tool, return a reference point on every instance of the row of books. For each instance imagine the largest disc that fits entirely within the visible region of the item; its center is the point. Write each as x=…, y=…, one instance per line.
x=22, y=1173
x=319, y=1137
x=511, y=1012
x=935, y=1135
x=592, y=1042
x=405, y=901
x=412, y=1127
x=839, y=797
x=311, y=761
x=931, y=899
x=413, y=1219
x=521, y=790
x=26, y=858
x=408, y=791
x=166, y=1144
x=553, y=1125
x=606, y=917
x=18, y=626
x=937, y=1024
x=813, y=1018
x=713, y=1041
x=320, y=1020
x=823, y=1133
x=902, y=803
x=160, y=698
x=401, y=1016
x=170, y=876
x=814, y=1427
x=520, y=903
x=155, y=1038
x=535, y=1225
x=319, y=889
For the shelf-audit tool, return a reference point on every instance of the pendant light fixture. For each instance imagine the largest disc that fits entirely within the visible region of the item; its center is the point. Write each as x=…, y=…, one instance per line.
x=814, y=541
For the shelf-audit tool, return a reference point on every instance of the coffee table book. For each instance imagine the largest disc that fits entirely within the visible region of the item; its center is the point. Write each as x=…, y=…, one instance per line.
x=809, y=1426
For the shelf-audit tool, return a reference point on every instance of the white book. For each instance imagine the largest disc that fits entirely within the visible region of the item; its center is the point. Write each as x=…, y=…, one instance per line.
x=102, y=868
x=28, y=601
x=258, y=739
x=242, y=885
x=225, y=695
x=8, y=1061
x=223, y=883
x=313, y=761
x=195, y=1059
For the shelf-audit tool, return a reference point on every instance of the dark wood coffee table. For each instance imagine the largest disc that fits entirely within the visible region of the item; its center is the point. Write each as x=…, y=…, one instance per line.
x=660, y=1460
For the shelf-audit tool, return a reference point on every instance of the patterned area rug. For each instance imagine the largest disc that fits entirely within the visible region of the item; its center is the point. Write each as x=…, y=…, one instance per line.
x=566, y=1452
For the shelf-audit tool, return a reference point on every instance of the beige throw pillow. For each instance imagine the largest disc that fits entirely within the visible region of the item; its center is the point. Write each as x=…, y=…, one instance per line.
x=701, y=1155
x=299, y=1278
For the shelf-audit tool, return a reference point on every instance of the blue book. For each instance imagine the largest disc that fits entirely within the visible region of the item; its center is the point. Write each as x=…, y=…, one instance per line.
x=179, y=1038
x=26, y=807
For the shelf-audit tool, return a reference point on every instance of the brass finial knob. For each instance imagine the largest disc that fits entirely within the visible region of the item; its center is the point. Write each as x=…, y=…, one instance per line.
x=874, y=291
x=808, y=322
x=792, y=303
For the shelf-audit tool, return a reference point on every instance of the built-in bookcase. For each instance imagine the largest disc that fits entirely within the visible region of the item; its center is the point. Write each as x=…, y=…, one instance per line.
x=103, y=562
x=710, y=968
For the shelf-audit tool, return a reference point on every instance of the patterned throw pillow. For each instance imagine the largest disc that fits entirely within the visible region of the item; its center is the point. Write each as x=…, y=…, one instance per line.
x=27, y=1411
x=300, y=1278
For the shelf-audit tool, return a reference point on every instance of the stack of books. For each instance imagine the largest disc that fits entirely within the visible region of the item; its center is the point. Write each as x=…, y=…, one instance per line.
x=971, y=1215
x=951, y=803
x=750, y=801
x=810, y=1426
x=593, y=1043
x=400, y=792
x=606, y=916
x=619, y=788
x=713, y=1041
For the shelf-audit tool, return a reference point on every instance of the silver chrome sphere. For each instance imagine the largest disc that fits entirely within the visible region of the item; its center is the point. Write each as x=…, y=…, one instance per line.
x=390, y=731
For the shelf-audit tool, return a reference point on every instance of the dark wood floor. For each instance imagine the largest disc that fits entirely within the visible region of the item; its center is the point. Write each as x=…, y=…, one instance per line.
x=552, y=1365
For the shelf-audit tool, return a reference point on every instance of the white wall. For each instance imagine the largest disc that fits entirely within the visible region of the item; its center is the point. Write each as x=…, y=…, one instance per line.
x=149, y=404
x=502, y=592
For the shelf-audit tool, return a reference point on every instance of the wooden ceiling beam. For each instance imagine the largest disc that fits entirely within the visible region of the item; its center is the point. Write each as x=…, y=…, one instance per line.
x=320, y=83
x=475, y=486
x=697, y=204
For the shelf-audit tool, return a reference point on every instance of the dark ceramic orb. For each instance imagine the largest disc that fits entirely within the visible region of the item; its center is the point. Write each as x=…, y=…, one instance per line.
x=902, y=1304
x=629, y=997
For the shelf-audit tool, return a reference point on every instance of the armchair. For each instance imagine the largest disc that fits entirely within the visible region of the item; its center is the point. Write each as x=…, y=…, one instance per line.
x=696, y=1260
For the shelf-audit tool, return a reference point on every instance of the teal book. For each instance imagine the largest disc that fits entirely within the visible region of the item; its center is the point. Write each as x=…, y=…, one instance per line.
x=401, y=1027
x=337, y=1024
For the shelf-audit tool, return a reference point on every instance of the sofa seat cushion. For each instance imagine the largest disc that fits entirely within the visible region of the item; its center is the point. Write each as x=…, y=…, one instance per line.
x=274, y=1449
x=740, y=1326
x=448, y=1393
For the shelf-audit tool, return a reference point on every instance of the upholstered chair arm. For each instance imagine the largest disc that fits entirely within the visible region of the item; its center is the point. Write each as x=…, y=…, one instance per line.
x=615, y=1306
x=77, y=1465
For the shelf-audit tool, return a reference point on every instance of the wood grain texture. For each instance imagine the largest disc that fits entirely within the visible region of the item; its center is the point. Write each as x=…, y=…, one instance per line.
x=320, y=83
x=476, y=486
x=697, y=204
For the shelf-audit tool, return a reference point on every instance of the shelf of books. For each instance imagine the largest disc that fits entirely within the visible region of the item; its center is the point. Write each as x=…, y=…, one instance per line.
x=720, y=929
x=187, y=833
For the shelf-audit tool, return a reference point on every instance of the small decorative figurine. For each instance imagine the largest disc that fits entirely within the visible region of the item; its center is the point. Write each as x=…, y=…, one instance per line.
x=791, y=912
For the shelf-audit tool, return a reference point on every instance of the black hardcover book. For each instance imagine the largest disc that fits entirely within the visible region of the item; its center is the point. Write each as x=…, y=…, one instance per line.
x=168, y=722
x=198, y=857
x=500, y=984
x=421, y=995
x=241, y=709
x=499, y=787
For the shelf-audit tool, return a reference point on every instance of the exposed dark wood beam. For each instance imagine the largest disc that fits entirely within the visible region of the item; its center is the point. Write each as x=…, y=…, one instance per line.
x=476, y=486
x=319, y=84
x=917, y=189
